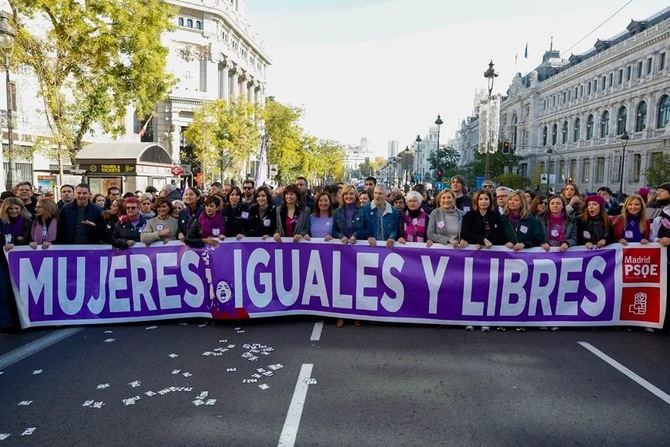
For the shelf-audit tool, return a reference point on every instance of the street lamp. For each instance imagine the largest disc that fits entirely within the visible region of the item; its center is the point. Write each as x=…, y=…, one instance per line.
x=7, y=35
x=418, y=156
x=438, y=123
x=490, y=76
x=405, y=157
x=624, y=143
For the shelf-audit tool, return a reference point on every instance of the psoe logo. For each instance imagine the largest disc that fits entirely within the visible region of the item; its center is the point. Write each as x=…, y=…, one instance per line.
x=641, y=265
x=639, y=306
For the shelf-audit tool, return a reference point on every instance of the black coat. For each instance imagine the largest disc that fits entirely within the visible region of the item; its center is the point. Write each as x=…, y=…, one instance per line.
x=68, y=222
x=472, y=228
x=262, y=225
x=186, y=219
x=236, y=220
x=123, y=232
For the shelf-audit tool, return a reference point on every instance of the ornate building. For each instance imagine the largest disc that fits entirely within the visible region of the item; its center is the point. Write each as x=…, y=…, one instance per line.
x=567, y=116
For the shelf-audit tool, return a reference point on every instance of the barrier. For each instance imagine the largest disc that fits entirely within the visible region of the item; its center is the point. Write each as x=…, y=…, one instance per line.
x=410, y=283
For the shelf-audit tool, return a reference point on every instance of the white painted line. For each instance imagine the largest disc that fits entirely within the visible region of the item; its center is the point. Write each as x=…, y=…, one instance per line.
x=316, y=332
x=36, y=346
x=292, y=422
x=627, y=372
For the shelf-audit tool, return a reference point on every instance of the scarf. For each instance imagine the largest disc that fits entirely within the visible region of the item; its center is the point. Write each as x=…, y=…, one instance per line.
x=207, y=224
x=632, y=231
x=44, y=231
x=15, y=226
x=415, y=225
x=556, y=227
x=514, y=218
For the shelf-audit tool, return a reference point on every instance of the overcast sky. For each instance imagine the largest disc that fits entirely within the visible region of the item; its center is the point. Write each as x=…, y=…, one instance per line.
x=384, y=69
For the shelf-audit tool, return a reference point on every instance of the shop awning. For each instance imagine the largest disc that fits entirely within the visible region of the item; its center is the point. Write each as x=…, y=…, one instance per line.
x=128, y=153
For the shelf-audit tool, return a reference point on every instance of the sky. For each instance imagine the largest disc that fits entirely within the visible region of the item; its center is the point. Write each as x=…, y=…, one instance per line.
x=384, y=69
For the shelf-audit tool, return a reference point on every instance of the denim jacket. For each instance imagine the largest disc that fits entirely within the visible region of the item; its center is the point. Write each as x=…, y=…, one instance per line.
x=382, y=224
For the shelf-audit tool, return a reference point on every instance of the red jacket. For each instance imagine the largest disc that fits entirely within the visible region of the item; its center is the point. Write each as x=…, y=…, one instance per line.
x=619, y=226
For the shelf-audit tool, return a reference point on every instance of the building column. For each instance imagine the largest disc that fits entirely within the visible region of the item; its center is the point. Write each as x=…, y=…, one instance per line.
x=175, y=139
x=224, y=88
x=235, y=87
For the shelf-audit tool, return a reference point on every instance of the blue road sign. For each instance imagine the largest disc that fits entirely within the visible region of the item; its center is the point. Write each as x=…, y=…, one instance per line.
x=439, y=186
x=479, y=181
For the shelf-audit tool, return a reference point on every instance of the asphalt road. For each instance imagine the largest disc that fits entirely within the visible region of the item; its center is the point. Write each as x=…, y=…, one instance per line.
x=379, y=385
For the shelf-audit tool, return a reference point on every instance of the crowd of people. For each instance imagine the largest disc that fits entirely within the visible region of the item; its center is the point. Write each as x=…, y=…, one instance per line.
x=372, y=214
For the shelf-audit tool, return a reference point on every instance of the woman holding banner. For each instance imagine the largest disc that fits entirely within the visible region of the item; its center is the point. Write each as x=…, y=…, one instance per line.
x=321, y=220
x=262, y=214
x=348, y=219
x=236, y=215
x=163, y=227
x=292, y=218
x=522, y=229
x=208, y=228
x=45, y=225
x=593, y=225
x=128, y=229
x=444, y=223
x=558, y=227
x=482, y=225
x=632, y=224
x=110, y=218
x=413, y=220
x=190, y=213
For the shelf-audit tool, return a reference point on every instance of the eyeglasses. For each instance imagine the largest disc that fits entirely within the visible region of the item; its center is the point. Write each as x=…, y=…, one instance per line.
x=247, y=187
x=502, y=196
x=131, y=207
x=488, y=186
x=543, y=203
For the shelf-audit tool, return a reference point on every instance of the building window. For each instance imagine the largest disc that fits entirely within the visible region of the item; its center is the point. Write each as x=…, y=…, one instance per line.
x=181, y=21
x=621, y=117
x=189, y=23
x=553, y=101
x=637, y=168
x=663, y=112
x=561, y=169
x=629, y=71
x=639, y=69
x=544, y=136
x=198, y=24
x=649, y=64
x=602, y=83
x=564, y=132
x=586, y=170
x=575, y=92
x=581, y=90
x=554, y=134
x=576, y=130
x=620, y=76
x=605, y=124
x=589, y=127
x=661, y=61
x=564, y=97
x=609, y=83
x=588, y=88
x=573, y=169
x=616, y=169
x=600, y=170
x=641, y=117
x=595, y=85
x=514, y=130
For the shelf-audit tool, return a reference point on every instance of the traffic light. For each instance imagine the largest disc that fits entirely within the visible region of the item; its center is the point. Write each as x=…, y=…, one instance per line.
x=505, y=147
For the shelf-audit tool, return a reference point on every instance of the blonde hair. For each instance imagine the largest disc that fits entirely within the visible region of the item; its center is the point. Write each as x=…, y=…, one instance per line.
x=524, y=204
x=9, y=201
x=643, y=211
x=443, y=192
x=345, y=189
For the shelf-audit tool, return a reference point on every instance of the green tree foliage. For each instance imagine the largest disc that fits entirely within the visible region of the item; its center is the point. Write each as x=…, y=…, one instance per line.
x=514, y=181
x=499, y=163
x=92, y=60
x=224, y=134
x=444, y=161
x=659, y=170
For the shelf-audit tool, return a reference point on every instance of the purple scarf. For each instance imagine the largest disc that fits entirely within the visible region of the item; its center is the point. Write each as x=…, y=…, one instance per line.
x=349, y=211
x=15, y=226
x=207, y=224
x=42, y=232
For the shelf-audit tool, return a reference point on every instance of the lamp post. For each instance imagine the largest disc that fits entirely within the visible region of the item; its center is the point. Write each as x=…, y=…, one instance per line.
x=7, y=35
x=438, y=123
x=419, y=169
x=405, y=162
x=490, y=76
x=624, y=143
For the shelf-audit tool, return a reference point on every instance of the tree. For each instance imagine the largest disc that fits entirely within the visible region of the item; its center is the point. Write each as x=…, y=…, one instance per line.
x=92, y=61
x=659, y=170
x=499, y=163
x=224, y=134
x=284, y=138
x=514, y=181
x=444, y=161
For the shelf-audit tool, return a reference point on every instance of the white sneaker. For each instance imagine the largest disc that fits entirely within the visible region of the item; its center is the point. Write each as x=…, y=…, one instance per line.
x=649, y=329
x=520, y=329
x=469, y=328
x=501, y=329
x=554, y=328
x=486, y=328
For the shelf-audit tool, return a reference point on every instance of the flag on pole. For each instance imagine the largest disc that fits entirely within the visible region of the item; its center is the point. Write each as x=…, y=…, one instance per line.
x=261, y=167
x=144, y=128
x=525, y=53
x=516, y=57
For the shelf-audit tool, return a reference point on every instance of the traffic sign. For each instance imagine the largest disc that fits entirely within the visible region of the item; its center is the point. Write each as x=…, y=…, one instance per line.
x=177, y=170
x=439, y=186
x=544, y=179
x=479, y=182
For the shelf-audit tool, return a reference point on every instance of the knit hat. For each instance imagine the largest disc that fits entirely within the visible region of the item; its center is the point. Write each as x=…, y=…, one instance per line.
x=665, y=186
x=644, y=192
x=595, y=198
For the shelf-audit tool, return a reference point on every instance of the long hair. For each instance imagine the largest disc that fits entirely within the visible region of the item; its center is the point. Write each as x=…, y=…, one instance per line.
x=602, y=216
x=268, y=194
x=316, y=212
x=566, y=218
x=570, y=184
x=475, y=200
x=4, y=216
x=50, y=208
x=443, y=192
x=643, y=211
x=294, y=189
x=537, y=201
x=524, y=205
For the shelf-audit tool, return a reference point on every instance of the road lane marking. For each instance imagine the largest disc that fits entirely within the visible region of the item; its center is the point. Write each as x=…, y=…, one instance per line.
x=36, y=346
x=316, y=332
x=627, y=372
x=292, y=422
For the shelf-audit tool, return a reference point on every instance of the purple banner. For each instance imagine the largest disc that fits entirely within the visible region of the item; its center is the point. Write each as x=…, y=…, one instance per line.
x=411, y=283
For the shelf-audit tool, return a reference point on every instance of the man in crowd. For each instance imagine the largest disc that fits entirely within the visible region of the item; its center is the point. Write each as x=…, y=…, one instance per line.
x=215, y=187
x=370, y=183
x=463, y=202
x=383, y=218
x=305, y=196
x=81, y=221
x=113, y=193
x=66, y=195
x=170, y=192
x=662, y=200
x=502, y=194
x=24, y=191
x=612, y=207
x=248, y=191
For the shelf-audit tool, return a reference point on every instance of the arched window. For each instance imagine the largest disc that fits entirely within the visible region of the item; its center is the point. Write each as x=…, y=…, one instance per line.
x=544, y=136
x=564, y=132
x=605, y=124
x=576, y=131
x=181, y=21
x=198, y=24
x=621, y=117
x=641, y=117
x=663, y=111
x=589, y=127
x=554, y=134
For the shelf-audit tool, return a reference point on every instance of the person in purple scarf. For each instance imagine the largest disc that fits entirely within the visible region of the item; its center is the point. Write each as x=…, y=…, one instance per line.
x=208, y=228
x=44, y=229
x=128, y=229
x=15, y=222
x=559, y=228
